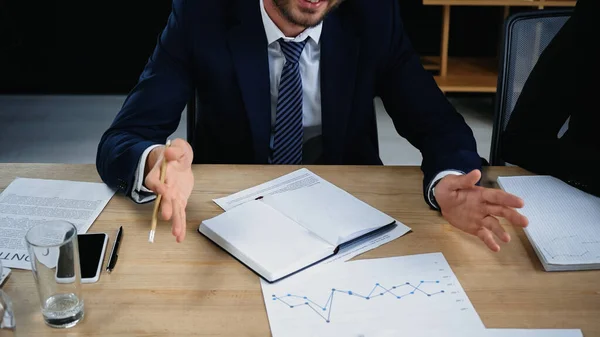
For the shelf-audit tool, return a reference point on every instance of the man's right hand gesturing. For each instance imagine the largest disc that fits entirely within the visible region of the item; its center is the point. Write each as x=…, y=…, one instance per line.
x=178, y=185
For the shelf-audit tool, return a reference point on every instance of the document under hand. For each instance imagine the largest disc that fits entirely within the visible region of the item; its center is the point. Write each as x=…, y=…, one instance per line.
x=28, y=202
x=298, y=220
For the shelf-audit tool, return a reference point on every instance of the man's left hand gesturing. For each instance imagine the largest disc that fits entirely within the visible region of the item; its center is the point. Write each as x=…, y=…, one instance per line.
x=474, y=209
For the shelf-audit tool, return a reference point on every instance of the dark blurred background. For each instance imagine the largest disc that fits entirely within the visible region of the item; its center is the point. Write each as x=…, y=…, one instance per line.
x=100, y=47
x=67, y=66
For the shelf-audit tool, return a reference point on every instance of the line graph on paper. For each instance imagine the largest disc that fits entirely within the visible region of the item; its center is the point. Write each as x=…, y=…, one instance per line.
x=383, y=294
x=324, y=311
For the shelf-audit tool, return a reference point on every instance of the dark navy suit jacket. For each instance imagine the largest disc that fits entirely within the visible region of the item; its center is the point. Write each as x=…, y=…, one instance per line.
x=219, y=49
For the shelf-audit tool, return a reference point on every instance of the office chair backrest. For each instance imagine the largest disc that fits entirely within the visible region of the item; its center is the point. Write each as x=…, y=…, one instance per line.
x=526, y=35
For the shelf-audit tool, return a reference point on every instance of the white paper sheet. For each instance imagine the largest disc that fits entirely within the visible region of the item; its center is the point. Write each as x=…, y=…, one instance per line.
x=412, y=292
x=376, y=331
x=28, y=202
x=564, y=222
x=367, y=243
x=531, y=333
x=333, y=214
x=4, y=274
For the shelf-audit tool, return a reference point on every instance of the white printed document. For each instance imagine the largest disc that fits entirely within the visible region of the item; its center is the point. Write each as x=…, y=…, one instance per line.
x=564, y=222
x=28, y=202
x=294, y=222
x=296, y=180
x=368, y=297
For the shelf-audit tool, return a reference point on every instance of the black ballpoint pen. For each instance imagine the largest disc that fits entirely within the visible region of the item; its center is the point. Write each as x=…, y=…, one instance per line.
x=114, y=255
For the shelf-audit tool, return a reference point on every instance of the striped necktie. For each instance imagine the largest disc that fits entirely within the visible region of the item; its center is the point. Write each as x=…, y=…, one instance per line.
x=289, y=133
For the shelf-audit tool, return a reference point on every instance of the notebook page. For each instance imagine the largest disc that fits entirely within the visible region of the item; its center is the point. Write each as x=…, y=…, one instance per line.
x=564, y=222
x=265, y=240
x=328, y=211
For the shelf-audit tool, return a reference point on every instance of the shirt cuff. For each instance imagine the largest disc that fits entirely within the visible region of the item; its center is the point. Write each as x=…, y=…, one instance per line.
x=140, y=193
x=434, y=182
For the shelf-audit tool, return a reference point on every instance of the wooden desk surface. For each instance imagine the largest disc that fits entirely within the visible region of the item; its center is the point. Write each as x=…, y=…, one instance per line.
x=194, y=288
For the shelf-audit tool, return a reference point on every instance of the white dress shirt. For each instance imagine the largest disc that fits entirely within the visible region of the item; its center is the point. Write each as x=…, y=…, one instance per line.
x=310, y=69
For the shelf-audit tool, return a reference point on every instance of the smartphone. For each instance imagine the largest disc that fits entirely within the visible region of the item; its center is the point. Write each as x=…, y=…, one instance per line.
x=92, y=248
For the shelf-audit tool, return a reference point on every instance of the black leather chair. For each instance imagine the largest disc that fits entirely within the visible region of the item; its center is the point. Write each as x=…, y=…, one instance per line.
x=526, y=36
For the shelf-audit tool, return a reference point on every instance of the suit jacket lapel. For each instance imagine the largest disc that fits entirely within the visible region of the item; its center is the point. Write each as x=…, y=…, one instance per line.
x=339, y=60
x=248, y=45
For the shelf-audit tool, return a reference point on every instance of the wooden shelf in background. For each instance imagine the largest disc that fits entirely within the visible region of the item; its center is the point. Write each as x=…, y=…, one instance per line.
x=473, y=74
x=431, y=62
x=466, y=74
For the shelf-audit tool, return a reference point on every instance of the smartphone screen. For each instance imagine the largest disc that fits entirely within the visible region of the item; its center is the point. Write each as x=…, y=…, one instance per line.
x=91, y=254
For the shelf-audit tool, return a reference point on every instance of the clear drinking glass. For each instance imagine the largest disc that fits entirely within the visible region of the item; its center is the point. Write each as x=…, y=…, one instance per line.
x=54, y=258
x=7, y=317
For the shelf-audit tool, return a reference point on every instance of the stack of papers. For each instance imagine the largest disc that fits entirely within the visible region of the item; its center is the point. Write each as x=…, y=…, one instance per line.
x=28, y=202
x=564, y=222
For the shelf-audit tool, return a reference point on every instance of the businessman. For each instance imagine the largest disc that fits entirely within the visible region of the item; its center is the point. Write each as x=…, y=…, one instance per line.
x=292, y=82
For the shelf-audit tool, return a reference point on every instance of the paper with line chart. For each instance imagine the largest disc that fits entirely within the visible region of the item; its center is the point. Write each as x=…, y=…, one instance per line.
x=564, y=222
x=367, y=296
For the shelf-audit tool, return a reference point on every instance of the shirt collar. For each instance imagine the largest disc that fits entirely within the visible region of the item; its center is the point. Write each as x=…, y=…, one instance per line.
x=274, y=33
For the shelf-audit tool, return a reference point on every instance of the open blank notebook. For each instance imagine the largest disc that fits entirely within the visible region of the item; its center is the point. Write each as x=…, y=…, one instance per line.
x=279, y=234
x=564, y=222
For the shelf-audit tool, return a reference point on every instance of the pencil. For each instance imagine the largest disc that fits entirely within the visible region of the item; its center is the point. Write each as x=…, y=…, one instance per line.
x=163, y=171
